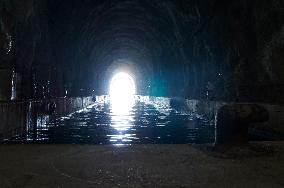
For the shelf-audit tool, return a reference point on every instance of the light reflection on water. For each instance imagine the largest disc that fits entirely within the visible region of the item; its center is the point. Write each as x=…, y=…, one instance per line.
x=122, y=119
x=139, y=121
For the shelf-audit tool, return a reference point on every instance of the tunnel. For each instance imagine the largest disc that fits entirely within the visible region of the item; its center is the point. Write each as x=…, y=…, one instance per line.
x=141, y=93
x=175, y=49
x=144, y=45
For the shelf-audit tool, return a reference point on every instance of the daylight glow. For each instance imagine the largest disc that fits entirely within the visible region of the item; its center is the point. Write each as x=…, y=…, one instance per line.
x=122, y=85
x=122, y=91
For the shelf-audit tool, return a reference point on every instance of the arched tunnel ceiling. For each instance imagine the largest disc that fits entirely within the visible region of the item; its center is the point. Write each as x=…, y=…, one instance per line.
x=144, y=32
x=175, y=46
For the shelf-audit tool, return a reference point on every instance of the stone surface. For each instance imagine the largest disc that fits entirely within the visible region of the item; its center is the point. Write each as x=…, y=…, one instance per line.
x=254, y=165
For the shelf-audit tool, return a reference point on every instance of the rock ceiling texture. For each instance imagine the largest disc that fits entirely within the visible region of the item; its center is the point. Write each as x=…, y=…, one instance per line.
x=173, y=48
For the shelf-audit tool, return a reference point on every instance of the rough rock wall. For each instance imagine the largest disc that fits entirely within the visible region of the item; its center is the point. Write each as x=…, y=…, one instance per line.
x=222, y=50
x=240, y=50
x=255, y=49
x=269, y=24
x=24, y=40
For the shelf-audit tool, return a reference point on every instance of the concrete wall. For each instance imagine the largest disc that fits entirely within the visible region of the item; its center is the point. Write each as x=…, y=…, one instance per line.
x=21, y=117
x=65, y=106
x=13, y=119
x=275, y=124
x=209, y=110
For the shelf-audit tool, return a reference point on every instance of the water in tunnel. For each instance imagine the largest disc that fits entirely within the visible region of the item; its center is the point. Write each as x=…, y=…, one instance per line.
x=141, y=93
x=171, y=49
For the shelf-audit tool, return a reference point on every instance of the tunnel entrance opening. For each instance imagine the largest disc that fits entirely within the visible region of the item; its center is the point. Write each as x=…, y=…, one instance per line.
x=122, y=90
x=122, y=85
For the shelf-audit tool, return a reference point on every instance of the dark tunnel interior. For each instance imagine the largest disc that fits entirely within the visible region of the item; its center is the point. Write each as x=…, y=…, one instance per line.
x=173, y=48
x=142, y=93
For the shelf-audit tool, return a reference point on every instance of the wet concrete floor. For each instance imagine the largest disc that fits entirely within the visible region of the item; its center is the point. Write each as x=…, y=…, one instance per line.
x=255, y=165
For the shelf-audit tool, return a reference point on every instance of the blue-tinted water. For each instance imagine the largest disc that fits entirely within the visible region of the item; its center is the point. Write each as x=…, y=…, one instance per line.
x=139, y=123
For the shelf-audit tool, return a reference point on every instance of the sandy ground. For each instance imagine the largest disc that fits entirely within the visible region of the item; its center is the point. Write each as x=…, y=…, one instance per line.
x=254, y=165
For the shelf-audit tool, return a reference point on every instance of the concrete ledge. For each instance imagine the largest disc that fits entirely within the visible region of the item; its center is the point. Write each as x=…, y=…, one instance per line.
x=20, y=117
x=210, y=109
x=275, y=122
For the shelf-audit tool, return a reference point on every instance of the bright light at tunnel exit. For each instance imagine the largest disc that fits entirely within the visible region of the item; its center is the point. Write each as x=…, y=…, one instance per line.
x=122, y=90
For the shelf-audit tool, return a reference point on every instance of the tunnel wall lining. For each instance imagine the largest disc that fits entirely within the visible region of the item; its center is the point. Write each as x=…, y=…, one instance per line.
x=276, y=119
x=19, y=117
x=209, y=109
